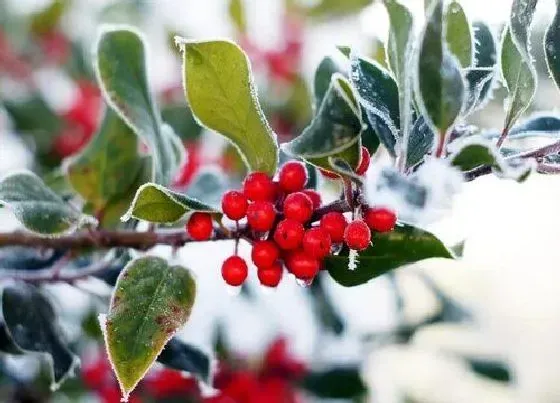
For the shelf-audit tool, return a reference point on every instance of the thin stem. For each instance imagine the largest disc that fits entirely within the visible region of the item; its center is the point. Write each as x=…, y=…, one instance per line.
x=503, y=136
x=48, y=275
x=442, y=141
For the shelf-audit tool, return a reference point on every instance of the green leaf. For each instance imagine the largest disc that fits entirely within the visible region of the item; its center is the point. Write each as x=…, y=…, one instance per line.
x=458, y=34
x=180, y=118
x=403, y=245
x=378, y=92
x=185, y=357
x=221, y=93
x=439, y=81
x=336, y=8
x=37, y=207
x=151, y=301
x=109, y=165
x=48, y=18
x=31, y=324
x=120, y=63
x=156, y=204
x=518, y=71
x=472, y=156
x=237, y=15
x=552, y=46
x=335, y=130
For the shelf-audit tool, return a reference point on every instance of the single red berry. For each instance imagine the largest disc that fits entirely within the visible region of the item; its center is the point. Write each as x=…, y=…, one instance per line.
x=380, y=219
x=258, y=186
x=298, y=206
x=234, y=205
x=261, y=215
x=234, y=271
x=70, y=141
x=364, y=162
x=317, y=243
x=264, y=254
x=292, y=177
x=335, y=224
x=289, y=234
x=314, y=196
x=270, y=276
x=357, y=235
x=199, y=226
x=329, y=174
x=302, y=265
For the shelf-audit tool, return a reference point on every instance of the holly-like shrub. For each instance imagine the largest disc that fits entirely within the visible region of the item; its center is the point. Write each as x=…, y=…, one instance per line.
x=391, y=135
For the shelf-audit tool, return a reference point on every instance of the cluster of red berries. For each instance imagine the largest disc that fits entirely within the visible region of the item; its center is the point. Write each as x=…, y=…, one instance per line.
x=281, y=217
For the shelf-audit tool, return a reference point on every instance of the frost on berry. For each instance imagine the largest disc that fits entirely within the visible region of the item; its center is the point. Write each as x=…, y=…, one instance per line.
x=420, y=198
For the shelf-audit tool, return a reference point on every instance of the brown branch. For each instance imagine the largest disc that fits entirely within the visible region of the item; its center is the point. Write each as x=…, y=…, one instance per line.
x=103, y=239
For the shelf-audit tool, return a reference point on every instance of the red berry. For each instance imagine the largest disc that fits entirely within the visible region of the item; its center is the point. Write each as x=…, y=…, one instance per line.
x=380, y=219
x=364, y=162
x=314, y=196
x=289, y=234
x=70, y=141
x=270, y=276
x=357, y=235
x=261, y=215
x=303, y=266
x=335, y=224
x=317, y=243
x=234, y=205
x=234, y=271
x=329, y=174
x=292, y=177
x=199, y=226
x=264, y=254
x=259, y=186
x=298, y=206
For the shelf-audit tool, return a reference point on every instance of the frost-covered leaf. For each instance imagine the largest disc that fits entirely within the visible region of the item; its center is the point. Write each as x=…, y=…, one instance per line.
x=32, y=325
x=399, y=44
x=400, y=47
x=155, y=203
x=221, y=93
x=108, y=166
x=539, y=124
x=208, y=186
x=237, y=15
x=120, y=62
x=439, y=82
x=472, y=153
x=420, y=143
x=23, y=258
x=486, y=53
x=552, y=46
x=322, y=81
x=518, y=71
x=378, y=92
x=479, y=82
x=458, y=34
x=187, y=358
x=151, y=301
x=37, y=207
x=335, y=130
x=389, y=251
